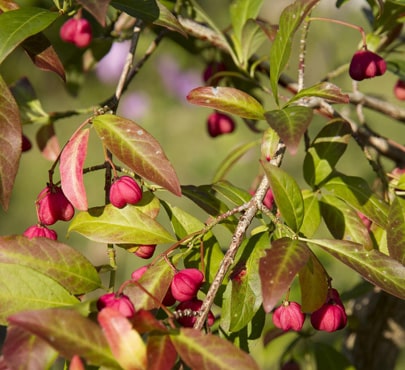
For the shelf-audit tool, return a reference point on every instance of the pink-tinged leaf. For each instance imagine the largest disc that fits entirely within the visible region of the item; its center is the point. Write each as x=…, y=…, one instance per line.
x=97, y=8
x=58, y=261
x=290, y=123
x=396, y=230
x=76, y=363
x=168, y=20
x=71, y=169
x=228, y=100
x=126, y=344
x=206, y=351
x=48, y=142
x=144, y=321
x=24, y=351
x=374, y=266
x=70, y=333
x=137, y=149
x=161, y=352
x=278, y=268
x=314, y=284
x=323, y=90
x=10, y=143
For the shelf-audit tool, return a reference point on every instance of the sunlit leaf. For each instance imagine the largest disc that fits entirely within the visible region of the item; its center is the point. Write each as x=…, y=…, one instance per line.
x=206, y=351
x=290, y=123
x=269, y=144
x=147, y=10
x=58, y=261
x=232, y=193
x=24, y=23
x=126, y=344
x=97, y=8
x=10, y=141
x=253, y=37
x=373, y=266
x=287, y=195
x=228, y=100
x=129, y=225
x=137, y=149
x=312, y=215
x=69, y=333
x=396, y=230
x=161, y=352
x=278, y=268
x=71, y=169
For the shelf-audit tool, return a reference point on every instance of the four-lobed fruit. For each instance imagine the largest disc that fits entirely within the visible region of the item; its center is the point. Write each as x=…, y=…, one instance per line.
x=219, y=124
x=187, y=313
x=52, y=206
x=399, y=89
x=366, y=64
x=289, y=316
x=76, y=31
x=37, y=231
x=120, y=303
x=186, y=283
x=125, y=190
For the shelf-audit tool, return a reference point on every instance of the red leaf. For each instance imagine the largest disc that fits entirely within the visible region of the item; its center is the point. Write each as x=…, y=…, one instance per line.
x=97, y=8
x=71, y=169
x=161, y=352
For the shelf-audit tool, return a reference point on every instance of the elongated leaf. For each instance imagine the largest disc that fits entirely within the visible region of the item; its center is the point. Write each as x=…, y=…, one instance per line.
x=126, y=344
x=10, y=141
x=17, y=25
x=58, y=261
x=234, y=194
x=24, y=288
x=147, y=10
x=69, y=333
x=290, y=123
x=290, y=19
x=373, y=266
x=253, y=37
x=312, y=216
x=137, y=149
x=97, y=8
x=241, y=11
x=205, y=351
x=396, y=230
x=161, y=352
x=22, y=350
x=287, y=195
x=71, y=169
x=324, y=90
x=227, y=99
x=356, y=192
x=168, y=20
x=278, y=269
x=128, y=225
x=326, y=150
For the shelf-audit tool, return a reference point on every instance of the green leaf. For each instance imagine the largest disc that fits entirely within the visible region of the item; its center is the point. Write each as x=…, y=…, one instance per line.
x=69, y=333
x=24, y=288
x=17, y=25
x=290, y=123
x=396, y=230
x=137, y=149
x=356, y=192
x=330, y=358
x=10, y=135
x=269, y=144
x=290, y=19
x=57, y=261
x=323, y=90
x=312, y=215
x=168, y=20
x=129, y=225
x=325, y=151
x=228, y=100
x=206, y=351
x=287, y=195
x=374, y=266
x=232, y=193
x=278, y=268
x=147, y=10
x=253, y=37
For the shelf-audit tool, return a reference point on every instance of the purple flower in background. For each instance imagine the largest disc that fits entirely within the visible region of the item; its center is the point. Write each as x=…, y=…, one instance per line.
x=176, y=81
x=110, y=67
x=134, y=105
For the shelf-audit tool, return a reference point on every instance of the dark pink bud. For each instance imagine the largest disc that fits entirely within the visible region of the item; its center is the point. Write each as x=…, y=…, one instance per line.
x=125, y=190
x=219, y=124
x=52, y=205
x=37, y=231
x=289, y=316
x=291, y=365
x=268, y=200
x=366, y=221
x=25, y=144
x=210, y=70
x=137, y=274
x=366, y=64
x=187, y=313
x=185, y=284
x=399, y=89
x=76, y=31
x=120, y=303
x=145, y=251
x=168, y=299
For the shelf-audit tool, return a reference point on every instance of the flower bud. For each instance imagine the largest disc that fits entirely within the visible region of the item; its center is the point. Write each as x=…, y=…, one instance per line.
x=37, y=231
x=268, y=199
x=219, y=124
x=25, y=144
x=366, y=64
x=145, y=251
x=76, y=31
x=137, y=274
x=399, y=89
x=187, y=313
x=210, y=70
x=52, y=205
x=125, y=190
x=290, y=365
x=120, y=303
x=185, y=284
x=289, y=316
